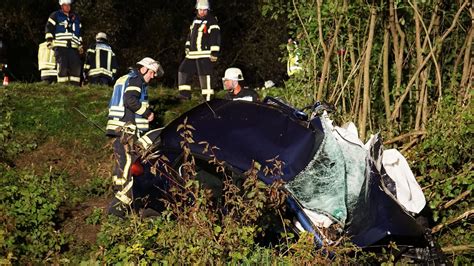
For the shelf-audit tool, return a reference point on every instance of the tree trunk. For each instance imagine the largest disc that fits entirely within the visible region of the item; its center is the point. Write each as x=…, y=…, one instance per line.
x=386, y=75
x=366, y=98
x=467, y=70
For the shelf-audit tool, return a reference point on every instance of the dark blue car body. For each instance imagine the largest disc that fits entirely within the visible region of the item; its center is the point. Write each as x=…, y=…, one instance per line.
x=246, y=131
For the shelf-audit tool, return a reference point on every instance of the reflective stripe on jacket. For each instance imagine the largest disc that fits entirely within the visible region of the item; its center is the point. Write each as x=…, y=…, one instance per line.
x=128, y=107
x=204, y=38
x=100, y=60
x=293, y=64
x=46, y=59
x=64, y=30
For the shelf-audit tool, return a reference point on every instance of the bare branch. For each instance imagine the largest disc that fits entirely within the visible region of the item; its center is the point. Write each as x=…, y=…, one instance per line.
x=410, y=134
x=457, y=199
x=453, y=220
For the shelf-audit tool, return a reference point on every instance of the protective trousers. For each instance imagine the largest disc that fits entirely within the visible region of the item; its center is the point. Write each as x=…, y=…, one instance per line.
x=122, y=179
x=69, y=65
x=100, y=80
x=188, y=68
x=49, y=75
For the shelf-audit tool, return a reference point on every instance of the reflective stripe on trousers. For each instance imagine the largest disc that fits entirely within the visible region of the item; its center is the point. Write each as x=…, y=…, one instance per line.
x=122, y=179
x=69, y=65
x=203, y=67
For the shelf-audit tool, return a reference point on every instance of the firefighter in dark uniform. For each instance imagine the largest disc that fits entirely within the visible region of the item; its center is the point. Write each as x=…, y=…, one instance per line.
x=63, y=34
x=129, y=117
x=235, y=92
x=100, y=66
x=202, y=51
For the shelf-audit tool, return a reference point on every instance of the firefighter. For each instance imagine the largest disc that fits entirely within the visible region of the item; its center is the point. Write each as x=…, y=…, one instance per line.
x=235, y=91
x=100, y=66
x=202, y=50
x=63, y=34
x=129, y=117
x=293, y=64
x=47, y=63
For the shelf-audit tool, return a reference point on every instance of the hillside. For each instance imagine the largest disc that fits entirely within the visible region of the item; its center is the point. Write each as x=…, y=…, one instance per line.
x=55, y=167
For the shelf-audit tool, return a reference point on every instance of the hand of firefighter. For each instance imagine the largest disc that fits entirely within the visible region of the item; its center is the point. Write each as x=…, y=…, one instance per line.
x=186, y=51
x=213, y=58
x=151, y=117
x=49, y=43
x=81, y=49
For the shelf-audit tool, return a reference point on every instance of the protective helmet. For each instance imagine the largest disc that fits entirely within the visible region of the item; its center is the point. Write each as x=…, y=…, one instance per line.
x=152, y=65
x=202, y=4
x=233, y=73
x=65, y=2
x=269, y=84
x=101, y=36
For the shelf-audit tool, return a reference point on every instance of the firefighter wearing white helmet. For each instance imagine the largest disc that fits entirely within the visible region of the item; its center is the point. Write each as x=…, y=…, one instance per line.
x=235, y=91
x=63, y=34
x=202, y=4
x=129, y=117
x=202, y=50
x=101, y=65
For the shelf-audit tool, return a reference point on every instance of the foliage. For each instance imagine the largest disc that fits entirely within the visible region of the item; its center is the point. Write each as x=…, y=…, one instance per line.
x=444, y=162
x=95, y=217
x=391, y=90
x=29, y=212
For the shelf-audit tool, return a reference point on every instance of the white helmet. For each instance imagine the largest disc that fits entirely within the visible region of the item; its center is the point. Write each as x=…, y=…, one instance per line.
x=202, y=4
x=152, y=65
x=65, y=2
x=233, y=73
x=269, y=84
x=101, y=35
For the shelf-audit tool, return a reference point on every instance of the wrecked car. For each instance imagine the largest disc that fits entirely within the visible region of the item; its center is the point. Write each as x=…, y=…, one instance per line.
x=331, y=177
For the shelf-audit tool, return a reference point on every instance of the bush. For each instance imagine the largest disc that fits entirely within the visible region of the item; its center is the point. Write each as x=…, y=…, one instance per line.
x=28, y=212
x=444, y=161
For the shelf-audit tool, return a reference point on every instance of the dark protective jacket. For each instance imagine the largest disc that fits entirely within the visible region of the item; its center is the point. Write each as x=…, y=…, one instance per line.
x=204, y=38
x=245, y=94
x=128, y=107
x=100, y=60
x=64, y=30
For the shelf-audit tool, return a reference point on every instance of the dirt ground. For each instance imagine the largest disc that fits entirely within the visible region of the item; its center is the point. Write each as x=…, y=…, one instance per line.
x=80, y=166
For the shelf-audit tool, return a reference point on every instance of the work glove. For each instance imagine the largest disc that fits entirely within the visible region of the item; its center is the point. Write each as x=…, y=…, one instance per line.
x=81, y=49
x=49, y=43
x=186, y=51
x=213, y=58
